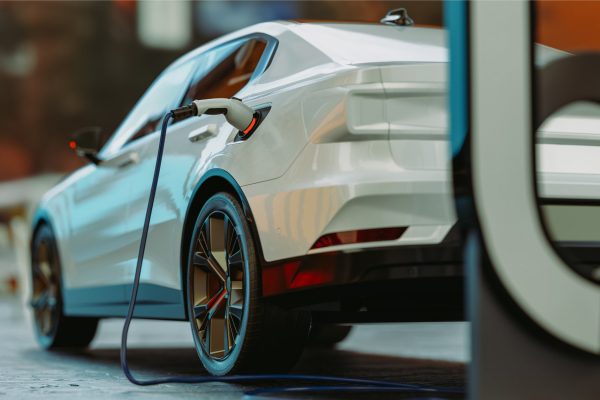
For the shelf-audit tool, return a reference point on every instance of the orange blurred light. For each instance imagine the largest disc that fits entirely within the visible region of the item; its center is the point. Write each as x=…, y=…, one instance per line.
x=249, y=128
x=568, y=25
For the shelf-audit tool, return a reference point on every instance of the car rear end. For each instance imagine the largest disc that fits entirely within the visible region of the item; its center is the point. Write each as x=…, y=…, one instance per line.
x=368, y=204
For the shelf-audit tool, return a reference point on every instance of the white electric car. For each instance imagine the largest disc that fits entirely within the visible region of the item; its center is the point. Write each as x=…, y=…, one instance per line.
x=337, y=209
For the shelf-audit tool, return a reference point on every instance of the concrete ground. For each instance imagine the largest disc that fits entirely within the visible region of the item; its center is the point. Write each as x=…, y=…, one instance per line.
x=421, y=353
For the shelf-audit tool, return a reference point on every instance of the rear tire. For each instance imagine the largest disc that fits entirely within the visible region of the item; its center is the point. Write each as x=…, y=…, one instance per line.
x=53, y=329
x=234, y=329
x=328, y=335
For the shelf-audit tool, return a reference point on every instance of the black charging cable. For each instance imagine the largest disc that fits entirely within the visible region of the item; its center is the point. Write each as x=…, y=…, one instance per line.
x=351, y=383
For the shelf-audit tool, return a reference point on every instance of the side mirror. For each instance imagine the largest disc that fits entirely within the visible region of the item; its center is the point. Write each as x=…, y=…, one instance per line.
x=87, y=142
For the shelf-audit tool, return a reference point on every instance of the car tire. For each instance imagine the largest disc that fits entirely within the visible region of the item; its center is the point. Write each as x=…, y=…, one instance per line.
x=234, y=329
x=53, y=330
x=328, y=335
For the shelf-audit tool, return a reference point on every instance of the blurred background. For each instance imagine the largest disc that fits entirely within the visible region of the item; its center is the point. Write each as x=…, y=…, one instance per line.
x=68, y=65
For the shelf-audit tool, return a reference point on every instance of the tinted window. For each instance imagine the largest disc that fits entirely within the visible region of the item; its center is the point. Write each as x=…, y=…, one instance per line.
x=163, y=95
x=226, y=70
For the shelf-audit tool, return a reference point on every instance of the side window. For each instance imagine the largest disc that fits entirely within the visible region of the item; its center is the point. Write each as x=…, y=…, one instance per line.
x=225, y=70
x=164, y=94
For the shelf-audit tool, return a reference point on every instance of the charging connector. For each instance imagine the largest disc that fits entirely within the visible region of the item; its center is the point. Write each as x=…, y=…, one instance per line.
x=235, y=111
x=184, y=112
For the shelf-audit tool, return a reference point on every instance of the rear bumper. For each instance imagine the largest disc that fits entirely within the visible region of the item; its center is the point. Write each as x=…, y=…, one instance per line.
x=403, y=283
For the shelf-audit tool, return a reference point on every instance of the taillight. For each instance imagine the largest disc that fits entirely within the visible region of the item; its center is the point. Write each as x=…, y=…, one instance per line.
x=359, y=236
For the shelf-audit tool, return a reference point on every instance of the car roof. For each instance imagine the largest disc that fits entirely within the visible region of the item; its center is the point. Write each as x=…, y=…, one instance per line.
x=349, y=43
x=360, y=43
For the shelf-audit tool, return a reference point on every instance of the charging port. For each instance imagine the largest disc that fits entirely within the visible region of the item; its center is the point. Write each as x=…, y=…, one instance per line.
x=259, y=116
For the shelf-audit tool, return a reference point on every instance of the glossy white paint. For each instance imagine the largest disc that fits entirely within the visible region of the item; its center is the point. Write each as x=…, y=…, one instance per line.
x=356, y=138
x=335, y=187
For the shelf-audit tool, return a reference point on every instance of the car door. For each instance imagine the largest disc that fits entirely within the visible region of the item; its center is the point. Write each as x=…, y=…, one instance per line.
x=221, y=72
x=102, y=244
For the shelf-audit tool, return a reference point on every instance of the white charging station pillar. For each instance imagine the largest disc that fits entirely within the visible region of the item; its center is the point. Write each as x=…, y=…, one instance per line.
x=535, y=321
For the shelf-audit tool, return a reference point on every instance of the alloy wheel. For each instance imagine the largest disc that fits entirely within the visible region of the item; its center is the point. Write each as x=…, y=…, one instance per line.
x=217, y=286
x=45, y=290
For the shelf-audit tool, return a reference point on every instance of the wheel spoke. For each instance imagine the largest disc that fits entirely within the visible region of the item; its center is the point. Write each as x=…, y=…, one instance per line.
x=235, y=310
x=235, y=318
x=234, y=326
x=237, y=294
x=42, y=301
x=204, y=237
x=235, y=260
x=212, y=325
x=215, y=267
x=230, y=235
x=226, y=335
x=216, y=228
x=209, y=265
x=217, y=345
x=237, y=285
x=200, y=260
x=207, y=337
x=41, y=271
x=47, y=318
x=216, y=302
x=200, y=311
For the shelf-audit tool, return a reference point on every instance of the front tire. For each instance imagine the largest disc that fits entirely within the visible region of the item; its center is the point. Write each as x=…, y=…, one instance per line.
x=234, y=329
x=53, y=329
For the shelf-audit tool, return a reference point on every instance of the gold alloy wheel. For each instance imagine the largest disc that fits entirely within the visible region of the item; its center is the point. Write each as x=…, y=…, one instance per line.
x=217, y=285
x=45, y=290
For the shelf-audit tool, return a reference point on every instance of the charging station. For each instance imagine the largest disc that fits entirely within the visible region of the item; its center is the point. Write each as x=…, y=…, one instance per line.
x=535, y=321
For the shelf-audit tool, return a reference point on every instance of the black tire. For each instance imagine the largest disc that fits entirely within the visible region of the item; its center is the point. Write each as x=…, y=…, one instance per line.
x=328, y=335
x=255, y=337
x=53, y=330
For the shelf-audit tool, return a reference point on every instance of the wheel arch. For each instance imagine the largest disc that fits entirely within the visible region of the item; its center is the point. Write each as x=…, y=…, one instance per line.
x=40, y=218
x=214, y=181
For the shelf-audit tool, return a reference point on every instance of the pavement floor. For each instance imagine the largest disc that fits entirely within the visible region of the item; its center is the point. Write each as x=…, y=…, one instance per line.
x=416, y=353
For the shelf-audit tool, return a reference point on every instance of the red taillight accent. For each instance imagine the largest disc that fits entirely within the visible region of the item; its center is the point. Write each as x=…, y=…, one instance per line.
x=249, y=128
x=73, y=144
x=291, y=275
x=277, y=279
x=313, y=276
x=359, y=236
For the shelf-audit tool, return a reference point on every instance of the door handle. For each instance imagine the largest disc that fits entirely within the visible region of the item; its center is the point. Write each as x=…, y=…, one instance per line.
x=205, y=132
x=132, y=158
